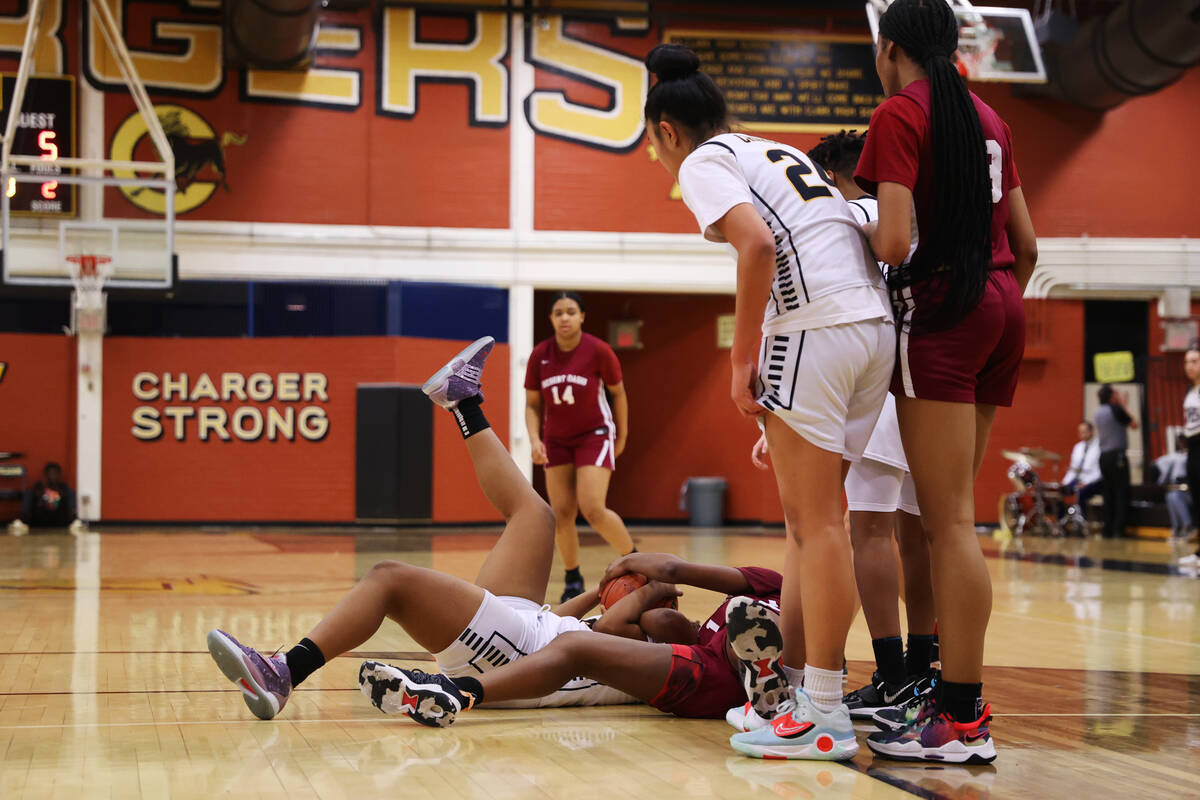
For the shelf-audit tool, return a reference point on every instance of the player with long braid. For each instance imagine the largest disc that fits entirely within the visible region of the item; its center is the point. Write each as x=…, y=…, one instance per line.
x=939, y=155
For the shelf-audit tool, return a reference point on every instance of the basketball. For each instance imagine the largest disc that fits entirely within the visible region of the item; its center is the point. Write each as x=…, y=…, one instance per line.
x=619, y=587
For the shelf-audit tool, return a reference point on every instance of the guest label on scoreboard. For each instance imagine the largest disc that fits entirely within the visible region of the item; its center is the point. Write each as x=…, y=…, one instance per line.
x=46, y=130
x=777, y=82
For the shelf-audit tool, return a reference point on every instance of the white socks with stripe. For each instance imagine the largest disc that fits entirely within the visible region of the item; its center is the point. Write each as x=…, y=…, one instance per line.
x=823, y=687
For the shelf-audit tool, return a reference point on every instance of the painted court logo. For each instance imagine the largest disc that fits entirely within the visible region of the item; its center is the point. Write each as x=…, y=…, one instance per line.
x=199, y=158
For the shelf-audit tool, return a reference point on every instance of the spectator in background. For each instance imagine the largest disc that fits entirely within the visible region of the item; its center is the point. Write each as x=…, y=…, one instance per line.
x=1112, y=420
x=1083, y=474
x=1191, y=429
x=49, y=504
x=1172, y=472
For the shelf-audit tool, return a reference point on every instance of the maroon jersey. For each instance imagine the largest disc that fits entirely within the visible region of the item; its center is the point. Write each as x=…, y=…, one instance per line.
x=572, y=387
x=899, y=149
x=720, y=687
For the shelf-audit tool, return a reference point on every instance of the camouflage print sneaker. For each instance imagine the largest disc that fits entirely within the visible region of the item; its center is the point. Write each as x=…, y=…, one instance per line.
x=265, y=681
x=427, y=698
x=752, y=628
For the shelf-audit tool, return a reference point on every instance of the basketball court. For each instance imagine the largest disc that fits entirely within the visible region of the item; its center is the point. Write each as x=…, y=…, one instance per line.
x=228, y=266
x=109, y=690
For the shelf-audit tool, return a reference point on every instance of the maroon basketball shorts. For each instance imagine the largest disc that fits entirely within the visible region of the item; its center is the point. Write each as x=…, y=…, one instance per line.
x=976, y=361
x=683, y=680
x=591, y=449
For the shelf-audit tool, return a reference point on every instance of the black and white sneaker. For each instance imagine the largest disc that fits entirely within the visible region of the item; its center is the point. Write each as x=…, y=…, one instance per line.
x=877, y=695
x=428, y=698
x=905, y=711
x=752, y=628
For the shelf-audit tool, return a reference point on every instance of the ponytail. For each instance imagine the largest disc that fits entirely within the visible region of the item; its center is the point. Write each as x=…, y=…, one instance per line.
x=958, y=253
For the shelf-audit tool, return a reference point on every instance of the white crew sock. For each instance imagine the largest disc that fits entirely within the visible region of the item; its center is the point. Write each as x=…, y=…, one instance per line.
x=823, y=687
x=795, y=677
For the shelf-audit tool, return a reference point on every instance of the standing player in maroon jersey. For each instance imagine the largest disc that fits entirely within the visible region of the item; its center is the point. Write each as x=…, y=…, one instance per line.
x=690, y=669
x=574, y=432
x=938, y=156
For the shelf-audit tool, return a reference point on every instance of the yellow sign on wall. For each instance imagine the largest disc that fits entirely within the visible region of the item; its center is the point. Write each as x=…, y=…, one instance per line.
x=1114, y=367
x=725, y=326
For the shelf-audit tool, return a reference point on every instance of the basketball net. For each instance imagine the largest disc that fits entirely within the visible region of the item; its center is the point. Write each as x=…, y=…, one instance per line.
x=88, y=301
x=977, y=49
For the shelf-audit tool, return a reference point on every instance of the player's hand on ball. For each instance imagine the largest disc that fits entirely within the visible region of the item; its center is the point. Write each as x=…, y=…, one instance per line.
x=743, y=377
x=759, y=456
x=539, y=452
x=655, y=566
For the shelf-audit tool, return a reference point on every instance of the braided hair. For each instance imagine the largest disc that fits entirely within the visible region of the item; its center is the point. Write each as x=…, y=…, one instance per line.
x=839, y=152
x=958, y=253
x=683, y=94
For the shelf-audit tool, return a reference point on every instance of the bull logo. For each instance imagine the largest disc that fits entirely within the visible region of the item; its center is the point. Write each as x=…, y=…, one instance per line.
x=199, y=158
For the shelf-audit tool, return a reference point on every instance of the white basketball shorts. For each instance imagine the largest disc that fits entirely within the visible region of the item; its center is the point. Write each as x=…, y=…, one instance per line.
x=506, y=628
x=828, y=384
x=875, y=486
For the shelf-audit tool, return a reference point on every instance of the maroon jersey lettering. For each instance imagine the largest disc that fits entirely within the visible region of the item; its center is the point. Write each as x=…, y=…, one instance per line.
x=572, y=386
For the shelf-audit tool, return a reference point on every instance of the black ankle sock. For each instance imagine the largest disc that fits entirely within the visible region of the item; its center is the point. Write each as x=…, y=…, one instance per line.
x=889, y=659
x=574, y=576
x=919, y=655
x=469, y=684
x=469, y=416
x=962, y=701
x=303, y=660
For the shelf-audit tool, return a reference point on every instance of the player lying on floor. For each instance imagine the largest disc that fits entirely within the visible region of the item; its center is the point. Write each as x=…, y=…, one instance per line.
x=470, y=628
x=683, y=668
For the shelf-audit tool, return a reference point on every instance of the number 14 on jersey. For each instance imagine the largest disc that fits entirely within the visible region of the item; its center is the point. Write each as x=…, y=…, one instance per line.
x=568, y=395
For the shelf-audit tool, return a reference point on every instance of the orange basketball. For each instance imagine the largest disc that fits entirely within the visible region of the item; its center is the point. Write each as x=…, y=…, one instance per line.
x=619, y=587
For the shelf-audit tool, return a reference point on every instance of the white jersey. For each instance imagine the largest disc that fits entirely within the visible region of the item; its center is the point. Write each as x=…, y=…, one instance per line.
x=825, y=274
x=1191, y=412
x=865, y=209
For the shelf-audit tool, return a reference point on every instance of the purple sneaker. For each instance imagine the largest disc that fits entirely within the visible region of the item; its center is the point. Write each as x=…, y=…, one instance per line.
x=460, y=378
x=265, y=682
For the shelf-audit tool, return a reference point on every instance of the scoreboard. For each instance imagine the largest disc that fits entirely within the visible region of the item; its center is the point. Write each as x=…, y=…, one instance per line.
x=46, y=130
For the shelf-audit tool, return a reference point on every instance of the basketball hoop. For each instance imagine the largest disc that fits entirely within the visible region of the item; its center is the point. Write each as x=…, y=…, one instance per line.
x=88, y=301
x=977, y=49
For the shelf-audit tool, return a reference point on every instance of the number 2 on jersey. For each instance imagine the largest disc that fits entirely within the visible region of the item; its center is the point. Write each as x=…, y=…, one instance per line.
x=800, y=174
x=568, y=395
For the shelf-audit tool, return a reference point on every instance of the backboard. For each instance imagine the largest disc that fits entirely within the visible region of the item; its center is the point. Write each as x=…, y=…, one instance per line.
x=994, y=44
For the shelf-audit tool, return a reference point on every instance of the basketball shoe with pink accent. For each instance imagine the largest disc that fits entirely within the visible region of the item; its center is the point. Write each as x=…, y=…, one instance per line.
x=461, y=376
x=802, y=731
x=265, y=681
x=935, y=736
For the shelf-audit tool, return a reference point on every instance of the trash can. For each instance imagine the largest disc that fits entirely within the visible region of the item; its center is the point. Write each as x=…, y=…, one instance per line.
x=704, y=500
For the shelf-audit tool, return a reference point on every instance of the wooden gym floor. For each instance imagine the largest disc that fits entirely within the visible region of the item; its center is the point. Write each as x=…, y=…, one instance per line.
x=107, y=690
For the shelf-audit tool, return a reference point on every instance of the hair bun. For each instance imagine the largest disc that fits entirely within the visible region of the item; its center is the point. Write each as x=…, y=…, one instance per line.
x=671, y=62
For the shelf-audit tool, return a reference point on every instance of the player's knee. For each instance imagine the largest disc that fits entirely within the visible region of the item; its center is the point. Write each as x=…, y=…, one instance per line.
x=389, y=573
x=546, y=517
x=573, y=648
x=592, y=509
